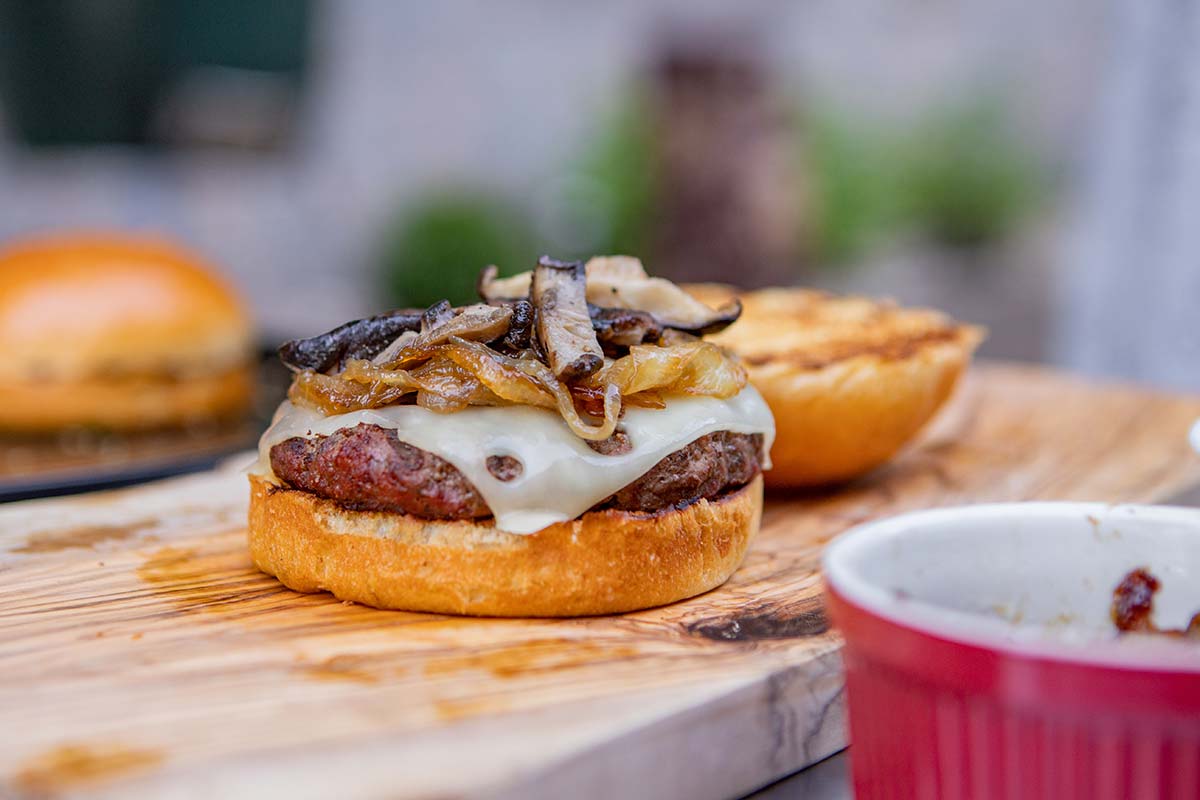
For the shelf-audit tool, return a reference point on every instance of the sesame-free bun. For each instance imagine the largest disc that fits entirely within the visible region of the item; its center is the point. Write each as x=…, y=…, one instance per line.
x=605, y=562
x=118, y=332
x=850, y=380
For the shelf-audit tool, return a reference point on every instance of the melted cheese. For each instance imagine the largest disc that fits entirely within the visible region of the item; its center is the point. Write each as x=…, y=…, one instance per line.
x=562, y=476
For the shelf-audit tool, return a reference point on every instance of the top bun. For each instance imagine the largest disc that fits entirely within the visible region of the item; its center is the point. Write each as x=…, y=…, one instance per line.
x=850, y=380
x=80, y=306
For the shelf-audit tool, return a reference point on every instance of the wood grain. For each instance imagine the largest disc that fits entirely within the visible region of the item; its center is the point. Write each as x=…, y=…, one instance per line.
x=141, y=654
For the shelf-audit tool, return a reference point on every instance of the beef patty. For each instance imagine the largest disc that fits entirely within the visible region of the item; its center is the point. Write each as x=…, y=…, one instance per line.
x=367, y=468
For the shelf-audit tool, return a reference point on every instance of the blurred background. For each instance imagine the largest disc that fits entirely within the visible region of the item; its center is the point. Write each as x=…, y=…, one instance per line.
x=1031, y=165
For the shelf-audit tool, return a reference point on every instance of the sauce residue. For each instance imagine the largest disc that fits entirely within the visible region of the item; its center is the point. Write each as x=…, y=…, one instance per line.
x=455, y=709
x=347, y=667
x=1133, y=607
x=170, y=565
x=83, y=536
x=71, y=765
x=534, y=656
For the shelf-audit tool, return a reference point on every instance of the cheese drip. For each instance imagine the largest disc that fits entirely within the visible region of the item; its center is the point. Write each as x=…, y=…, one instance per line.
x=562, y=477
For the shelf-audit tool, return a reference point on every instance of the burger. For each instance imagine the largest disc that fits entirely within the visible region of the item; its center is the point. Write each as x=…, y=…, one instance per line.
x=571, y=445
x=851, y=380
x=118, y=333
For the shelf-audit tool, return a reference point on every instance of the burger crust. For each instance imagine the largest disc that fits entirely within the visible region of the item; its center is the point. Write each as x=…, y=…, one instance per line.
x=849, y=380
x=605, y=562
x=124, y=404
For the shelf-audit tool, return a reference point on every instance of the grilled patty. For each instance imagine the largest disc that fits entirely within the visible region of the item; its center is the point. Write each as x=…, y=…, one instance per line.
x=367, y=468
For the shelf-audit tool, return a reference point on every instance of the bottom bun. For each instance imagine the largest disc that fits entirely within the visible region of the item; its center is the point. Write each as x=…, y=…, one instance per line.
x=125, y=404
x=605, y=562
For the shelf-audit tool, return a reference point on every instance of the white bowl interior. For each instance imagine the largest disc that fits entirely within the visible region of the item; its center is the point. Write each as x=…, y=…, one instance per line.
x=1045, y=566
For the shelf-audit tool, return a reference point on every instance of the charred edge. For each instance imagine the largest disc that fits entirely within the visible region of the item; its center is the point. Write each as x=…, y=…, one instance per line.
x=520, y=328
x=576, y=268
x=363, y=338
x=721, y=319
x=581, y=368
x=896, y=349
x=759, y=623
x=437, y=314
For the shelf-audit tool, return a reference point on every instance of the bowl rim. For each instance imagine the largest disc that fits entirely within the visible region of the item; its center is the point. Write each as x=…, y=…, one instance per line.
x=995, y=634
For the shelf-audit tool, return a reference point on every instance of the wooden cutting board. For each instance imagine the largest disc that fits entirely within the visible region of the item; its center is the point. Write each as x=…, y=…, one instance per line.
x=142, y=655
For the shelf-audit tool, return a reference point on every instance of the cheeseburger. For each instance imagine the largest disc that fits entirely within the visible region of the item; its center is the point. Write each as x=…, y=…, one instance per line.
x=570, y=445
x=118, y=333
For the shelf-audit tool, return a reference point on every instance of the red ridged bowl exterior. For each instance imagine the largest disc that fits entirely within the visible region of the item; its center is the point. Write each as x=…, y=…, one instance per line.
x=931, y=717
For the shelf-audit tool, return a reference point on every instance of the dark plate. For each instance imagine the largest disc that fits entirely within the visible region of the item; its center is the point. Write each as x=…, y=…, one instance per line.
x=83, y=461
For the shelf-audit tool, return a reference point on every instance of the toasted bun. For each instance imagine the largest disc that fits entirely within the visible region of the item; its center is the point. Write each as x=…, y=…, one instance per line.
x=605, y=562
x=116, y=331
x=849, y=380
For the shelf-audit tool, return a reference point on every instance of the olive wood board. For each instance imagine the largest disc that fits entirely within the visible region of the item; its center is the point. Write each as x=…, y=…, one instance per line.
x=141, y=655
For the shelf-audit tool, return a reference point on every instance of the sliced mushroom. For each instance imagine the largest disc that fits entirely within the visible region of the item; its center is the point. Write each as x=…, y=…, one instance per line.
x=437, y=314
x=362, y=338
x=477, y=323
x=502, y=290
x=621, y=282
x=563, y=324
x=615, y=268
x=623, y=327
x=520, y=328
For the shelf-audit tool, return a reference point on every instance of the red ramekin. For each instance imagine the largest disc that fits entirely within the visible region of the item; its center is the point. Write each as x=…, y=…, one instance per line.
x=981, y=661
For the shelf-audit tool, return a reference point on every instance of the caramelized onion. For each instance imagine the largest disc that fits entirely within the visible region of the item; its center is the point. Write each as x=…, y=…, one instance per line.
x=478, y=322
x=500, y=374
x=332, y=395
x=571, y=416
x=696, y=367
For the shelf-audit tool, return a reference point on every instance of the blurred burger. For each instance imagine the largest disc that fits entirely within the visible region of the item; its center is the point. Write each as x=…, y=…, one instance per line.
x=571, y=445
x=850, y=380
x=118, y=333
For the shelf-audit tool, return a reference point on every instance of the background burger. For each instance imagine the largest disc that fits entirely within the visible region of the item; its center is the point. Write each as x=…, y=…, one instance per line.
x=569, y=446
x=118, y=333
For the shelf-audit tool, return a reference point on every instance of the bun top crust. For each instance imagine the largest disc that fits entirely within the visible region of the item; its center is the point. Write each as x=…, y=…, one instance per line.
x=804, y=329
x=97, y=305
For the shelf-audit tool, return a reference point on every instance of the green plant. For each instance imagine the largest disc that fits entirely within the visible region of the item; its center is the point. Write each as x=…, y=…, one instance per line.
x=969, y=178
x=618, y=175
x=959, y=175
x=854, y=174
x=438, y=247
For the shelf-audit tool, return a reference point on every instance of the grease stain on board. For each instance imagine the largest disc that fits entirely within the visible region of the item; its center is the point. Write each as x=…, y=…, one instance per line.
x=82, y=537
x=171, y=565
x=345, y=668
x=214, y=576
x=531, y=657
x=452, y=710
x=71, y=766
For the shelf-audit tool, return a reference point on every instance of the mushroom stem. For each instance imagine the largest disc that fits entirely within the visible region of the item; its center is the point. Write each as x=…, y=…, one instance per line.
x=559, y=293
